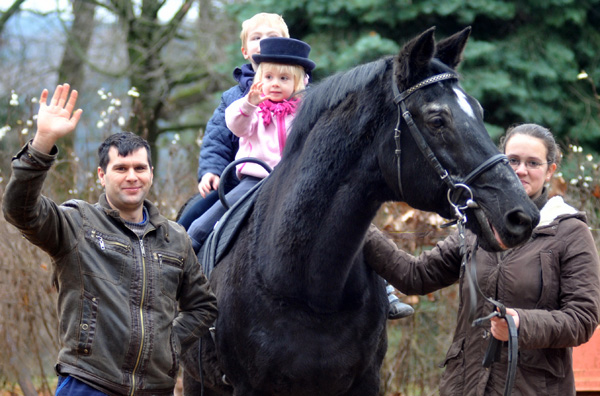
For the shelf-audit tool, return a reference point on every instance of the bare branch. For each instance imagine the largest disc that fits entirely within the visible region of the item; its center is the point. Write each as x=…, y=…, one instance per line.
x=182, y=127
x=13, y=9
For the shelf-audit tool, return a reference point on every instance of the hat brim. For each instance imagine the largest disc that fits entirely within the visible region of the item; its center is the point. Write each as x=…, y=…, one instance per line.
x=307, y=64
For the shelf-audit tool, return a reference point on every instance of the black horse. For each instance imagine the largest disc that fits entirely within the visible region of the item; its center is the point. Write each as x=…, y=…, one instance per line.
x=300, y=313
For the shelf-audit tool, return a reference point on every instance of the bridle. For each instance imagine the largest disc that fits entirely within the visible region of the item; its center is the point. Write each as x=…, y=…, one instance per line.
x=454, y=192
x=404, y=114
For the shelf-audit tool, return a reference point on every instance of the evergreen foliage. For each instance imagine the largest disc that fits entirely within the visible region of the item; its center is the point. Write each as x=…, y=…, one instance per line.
x=524, y=60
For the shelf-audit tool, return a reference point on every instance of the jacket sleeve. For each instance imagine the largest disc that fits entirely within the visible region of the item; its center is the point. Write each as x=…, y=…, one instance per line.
x=242, y=118
x=577, y=318
x=430, y=271
x=197, y=302
x=39, y=219
x=219, y=145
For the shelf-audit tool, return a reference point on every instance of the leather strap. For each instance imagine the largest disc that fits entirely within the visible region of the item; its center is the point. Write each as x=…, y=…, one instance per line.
x=493, y=351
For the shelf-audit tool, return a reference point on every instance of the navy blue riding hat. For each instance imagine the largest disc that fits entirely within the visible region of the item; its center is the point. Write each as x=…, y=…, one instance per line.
x=284, y=50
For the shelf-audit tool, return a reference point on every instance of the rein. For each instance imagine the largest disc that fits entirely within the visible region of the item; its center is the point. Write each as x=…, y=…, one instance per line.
x=492, y=353
x=454, y=191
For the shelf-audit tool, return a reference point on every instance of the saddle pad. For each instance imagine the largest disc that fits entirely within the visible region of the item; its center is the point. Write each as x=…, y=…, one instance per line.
x=223, y=235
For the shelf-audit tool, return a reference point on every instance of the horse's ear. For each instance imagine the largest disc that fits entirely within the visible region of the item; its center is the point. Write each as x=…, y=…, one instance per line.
x=450, y=50
x=414, y=58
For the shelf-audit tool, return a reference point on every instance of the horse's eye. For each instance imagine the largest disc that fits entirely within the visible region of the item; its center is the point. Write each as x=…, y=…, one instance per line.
x=437, y=122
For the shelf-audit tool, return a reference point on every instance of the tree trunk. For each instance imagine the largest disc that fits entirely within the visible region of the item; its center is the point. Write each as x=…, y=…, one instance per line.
x=71, y=69
x=146, y=37
x=72, y=66
x=23, y=373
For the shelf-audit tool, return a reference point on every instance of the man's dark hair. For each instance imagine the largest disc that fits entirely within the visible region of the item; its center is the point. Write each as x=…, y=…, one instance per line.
x=125, y=143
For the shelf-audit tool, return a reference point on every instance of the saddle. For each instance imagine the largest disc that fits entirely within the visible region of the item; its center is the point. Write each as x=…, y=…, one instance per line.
x=226, y=230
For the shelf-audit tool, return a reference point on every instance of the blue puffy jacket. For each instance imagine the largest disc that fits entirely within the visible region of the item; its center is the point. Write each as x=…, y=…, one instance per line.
x=220, y=145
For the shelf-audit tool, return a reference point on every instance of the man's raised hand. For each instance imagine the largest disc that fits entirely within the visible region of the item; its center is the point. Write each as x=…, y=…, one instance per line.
x=56, y=119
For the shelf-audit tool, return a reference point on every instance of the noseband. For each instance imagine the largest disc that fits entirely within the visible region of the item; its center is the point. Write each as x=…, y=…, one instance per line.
x=454, y=187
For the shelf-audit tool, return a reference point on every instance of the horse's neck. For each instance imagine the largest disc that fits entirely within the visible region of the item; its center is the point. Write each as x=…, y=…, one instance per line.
x=316, y=224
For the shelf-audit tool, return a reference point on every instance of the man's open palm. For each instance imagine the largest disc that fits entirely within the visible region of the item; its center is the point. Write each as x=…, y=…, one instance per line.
x=56, y=119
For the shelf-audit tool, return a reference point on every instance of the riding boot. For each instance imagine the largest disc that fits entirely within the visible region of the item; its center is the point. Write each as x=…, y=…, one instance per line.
x=398, y=309
x=381, y=254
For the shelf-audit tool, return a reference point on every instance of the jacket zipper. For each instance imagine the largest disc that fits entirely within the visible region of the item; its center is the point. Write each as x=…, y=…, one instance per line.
x=159, y=257
x=103, y=243
x=139, y=357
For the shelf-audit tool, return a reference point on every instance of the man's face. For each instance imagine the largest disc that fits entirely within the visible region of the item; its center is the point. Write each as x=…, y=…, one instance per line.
x=127, y=180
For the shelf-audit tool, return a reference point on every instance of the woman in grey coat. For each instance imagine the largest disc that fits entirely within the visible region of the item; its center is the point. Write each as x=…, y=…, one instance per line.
x=550, y=285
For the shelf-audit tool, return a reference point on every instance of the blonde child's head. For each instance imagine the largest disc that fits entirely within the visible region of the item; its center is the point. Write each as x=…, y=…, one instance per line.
x=298, y=72
x=262, y=21
x=281, y=56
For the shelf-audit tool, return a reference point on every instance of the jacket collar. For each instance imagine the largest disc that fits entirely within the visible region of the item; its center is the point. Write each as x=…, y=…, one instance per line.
x=555, y=211
x=244, y=76
x=554, y=208
x=154, y=215
x=540, y=201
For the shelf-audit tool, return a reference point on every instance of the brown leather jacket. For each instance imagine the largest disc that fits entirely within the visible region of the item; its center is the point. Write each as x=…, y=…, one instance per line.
x=127, y=305
x=552, y=281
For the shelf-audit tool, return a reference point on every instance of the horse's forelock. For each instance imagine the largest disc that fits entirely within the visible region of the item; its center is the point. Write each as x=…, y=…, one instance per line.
x=439, y=67
x=407, y=75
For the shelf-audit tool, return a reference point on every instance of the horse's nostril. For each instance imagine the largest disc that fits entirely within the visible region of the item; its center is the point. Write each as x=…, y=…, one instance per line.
x=517, y=221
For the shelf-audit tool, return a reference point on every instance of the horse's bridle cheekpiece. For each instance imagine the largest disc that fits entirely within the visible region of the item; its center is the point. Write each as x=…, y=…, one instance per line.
x=403, y=113
x=454, y=189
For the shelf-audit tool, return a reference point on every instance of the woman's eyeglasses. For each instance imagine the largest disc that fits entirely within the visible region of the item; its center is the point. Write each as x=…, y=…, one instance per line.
x=515, y=162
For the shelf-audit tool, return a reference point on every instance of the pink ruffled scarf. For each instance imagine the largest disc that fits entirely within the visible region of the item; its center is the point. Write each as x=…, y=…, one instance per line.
x=269, y=109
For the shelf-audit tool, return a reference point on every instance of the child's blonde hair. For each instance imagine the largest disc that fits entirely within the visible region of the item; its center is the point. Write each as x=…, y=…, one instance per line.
x=296, y=71
x=272, y=20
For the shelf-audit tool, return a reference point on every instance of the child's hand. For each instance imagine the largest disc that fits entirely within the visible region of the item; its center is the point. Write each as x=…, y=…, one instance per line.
x=209, y=182
x=255, y=95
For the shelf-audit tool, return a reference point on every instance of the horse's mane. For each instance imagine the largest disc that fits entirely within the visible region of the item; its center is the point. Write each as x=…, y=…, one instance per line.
x=330, y=92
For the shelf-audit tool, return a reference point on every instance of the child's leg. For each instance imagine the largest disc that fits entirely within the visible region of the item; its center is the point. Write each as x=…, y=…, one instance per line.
x=203, y=226
x=196, y=208
x=241, y=189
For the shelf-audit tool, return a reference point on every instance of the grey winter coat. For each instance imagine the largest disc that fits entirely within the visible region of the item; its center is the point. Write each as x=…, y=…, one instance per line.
x=127, y=306
x=552, y=281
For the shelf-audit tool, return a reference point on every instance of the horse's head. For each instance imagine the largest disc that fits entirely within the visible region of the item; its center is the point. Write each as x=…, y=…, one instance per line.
x=454, y=148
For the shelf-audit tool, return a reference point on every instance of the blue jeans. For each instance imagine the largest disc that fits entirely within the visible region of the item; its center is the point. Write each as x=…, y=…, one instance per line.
x=203, y=226
x=197, y=205
x=71, y=386
x=196, y=208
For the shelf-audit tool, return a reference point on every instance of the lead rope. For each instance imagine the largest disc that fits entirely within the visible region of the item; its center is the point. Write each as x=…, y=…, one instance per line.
x=492, y=353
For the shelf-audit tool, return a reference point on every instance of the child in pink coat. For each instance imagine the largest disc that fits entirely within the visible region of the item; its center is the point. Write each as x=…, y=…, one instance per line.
x=262, y=119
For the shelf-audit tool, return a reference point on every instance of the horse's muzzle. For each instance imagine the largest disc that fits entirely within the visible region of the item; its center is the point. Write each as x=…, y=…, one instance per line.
x=517, y=223
x=515, y=229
